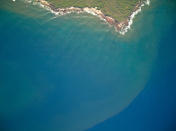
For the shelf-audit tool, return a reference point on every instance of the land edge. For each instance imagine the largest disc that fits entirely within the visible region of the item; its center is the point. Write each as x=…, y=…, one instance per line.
x=121, y=27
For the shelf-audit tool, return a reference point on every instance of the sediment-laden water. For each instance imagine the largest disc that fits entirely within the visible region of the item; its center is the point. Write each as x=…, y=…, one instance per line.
x=71, y=73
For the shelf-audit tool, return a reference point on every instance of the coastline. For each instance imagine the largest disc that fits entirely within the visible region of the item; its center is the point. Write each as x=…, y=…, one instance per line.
x=121, y=27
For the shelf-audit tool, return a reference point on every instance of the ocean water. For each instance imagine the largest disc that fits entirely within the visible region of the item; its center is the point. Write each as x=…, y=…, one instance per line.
x=74, y=72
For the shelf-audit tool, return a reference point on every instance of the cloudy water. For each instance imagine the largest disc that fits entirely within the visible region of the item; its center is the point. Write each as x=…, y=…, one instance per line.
x=73, y=72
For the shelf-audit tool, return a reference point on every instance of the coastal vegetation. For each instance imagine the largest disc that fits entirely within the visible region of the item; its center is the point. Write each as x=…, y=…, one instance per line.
x=117, y=9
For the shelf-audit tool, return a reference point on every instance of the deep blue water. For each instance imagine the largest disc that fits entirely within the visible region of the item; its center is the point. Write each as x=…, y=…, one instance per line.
x=74, y=72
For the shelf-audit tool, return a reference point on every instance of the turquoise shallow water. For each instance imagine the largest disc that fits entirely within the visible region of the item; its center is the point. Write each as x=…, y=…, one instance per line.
x=72, y=72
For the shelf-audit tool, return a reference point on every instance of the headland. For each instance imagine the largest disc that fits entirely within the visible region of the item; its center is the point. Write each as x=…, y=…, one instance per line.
x=121, y=23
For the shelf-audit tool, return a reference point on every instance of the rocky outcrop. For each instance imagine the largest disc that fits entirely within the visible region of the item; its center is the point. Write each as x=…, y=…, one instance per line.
x=121, y=27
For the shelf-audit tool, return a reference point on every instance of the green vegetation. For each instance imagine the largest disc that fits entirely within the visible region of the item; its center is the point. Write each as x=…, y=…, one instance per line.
x=118, y=9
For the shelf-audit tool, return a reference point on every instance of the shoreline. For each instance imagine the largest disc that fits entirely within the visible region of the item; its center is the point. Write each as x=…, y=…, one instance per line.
x=121, y=27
